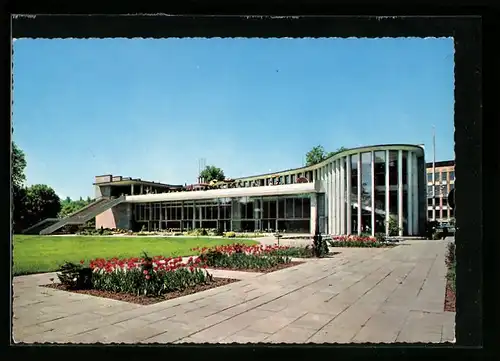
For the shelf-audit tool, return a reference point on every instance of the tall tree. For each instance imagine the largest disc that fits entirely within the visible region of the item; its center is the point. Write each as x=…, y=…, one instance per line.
x=341, y=149
x=18, y=191
x=212, y=172
x=18, y=166
x=41, y=202
x=318, y=154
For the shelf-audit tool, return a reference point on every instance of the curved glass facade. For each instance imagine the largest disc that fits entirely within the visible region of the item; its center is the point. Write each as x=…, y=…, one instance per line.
x=376, y=191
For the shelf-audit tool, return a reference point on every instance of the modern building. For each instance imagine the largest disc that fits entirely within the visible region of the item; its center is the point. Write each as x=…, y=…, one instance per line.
x=360, y=190
x=437, y=198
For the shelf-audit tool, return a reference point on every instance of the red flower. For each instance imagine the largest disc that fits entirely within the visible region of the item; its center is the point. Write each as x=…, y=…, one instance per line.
x=82, y=261
x=148, y=277
x=191, y=268
x=145, y=271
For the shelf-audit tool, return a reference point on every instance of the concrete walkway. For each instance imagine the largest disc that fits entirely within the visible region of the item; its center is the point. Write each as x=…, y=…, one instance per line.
x=360, y=295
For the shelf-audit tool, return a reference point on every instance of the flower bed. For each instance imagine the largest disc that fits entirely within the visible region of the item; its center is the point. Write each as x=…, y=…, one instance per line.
x=358, y=241
x=139, y=280
x=245, y=258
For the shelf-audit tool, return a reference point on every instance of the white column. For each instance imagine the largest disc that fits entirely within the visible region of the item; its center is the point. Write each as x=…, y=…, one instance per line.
x=348, y=195
x=409, y=192
x=159, y=216
x=331, y=208
x=328, y=198
x=314, y=212
x=400, y=192
x=372, y=180
x=359, y=193
x=415, y=194
x=387, y=193
x=342, y=196
x=339, y=197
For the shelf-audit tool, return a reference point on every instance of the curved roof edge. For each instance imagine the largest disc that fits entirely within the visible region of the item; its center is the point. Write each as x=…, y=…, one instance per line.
x=379, y=147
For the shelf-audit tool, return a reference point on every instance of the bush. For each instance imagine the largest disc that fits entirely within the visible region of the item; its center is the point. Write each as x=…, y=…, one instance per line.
x=240, y=256
x=451, y=263
x=242, y=260
x=393, y=227
x=75, y=276
x=437, y=235
x=450, y=254
x=430, y=229
x=297, y=252
x=216, y=232
x=380, y=237
x=230, y=235
x=199, y=232
x=320, y=247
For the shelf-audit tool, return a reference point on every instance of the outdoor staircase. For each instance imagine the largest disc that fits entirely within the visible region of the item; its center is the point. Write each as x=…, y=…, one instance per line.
x=83, y=215
x=37, y=227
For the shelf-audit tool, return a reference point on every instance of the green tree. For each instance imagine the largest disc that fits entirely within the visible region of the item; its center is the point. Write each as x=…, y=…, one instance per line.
x=331, y=154
x=18, y=166
x=318, y=154
x=40, y=202
x=18, y=191
x=19, y=220
x=211, y=172
x=68, y=206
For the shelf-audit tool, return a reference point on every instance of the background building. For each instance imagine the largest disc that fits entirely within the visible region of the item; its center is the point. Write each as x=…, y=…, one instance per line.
x=364, y=190
x=444, y=183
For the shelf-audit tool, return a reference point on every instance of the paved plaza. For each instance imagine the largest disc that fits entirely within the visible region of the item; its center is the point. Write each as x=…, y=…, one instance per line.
x=360, y=295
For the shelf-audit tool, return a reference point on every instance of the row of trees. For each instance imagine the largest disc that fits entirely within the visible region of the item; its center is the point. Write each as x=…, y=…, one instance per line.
x=316, y=155
x=37, y=202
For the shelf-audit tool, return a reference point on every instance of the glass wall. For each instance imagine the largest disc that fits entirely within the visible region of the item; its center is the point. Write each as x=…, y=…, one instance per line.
x=366, y=192
x=379, y=192
x=405, y=193
x=242, y=214
x=354, y=193
x=378, y=176
x=393, y=185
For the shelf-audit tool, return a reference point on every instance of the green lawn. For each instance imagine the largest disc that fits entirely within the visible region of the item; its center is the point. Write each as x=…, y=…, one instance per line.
x=36, y=254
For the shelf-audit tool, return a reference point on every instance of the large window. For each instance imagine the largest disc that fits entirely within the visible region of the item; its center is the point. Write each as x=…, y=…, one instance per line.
x=393, y=185
x=380, y=192
x=452, y=176
x=406, y=189
x=366, y=192
x=354, y=193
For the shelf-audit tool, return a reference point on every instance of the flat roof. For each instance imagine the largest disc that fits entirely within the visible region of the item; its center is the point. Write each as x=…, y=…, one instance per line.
x=287, y=189
x=125, y=182
x=443, y=163
x=379, y=147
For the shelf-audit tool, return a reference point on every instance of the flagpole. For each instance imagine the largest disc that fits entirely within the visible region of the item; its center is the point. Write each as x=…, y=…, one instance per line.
x=434, y=171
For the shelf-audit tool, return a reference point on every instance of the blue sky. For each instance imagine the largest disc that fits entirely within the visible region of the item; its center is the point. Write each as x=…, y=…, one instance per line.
x=151, y=108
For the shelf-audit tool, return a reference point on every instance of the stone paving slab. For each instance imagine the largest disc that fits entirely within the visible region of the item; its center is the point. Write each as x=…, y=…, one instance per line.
x=359, y=295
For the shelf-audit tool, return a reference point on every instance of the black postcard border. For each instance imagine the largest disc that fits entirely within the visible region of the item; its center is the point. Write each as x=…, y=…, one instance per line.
x=472, y=247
